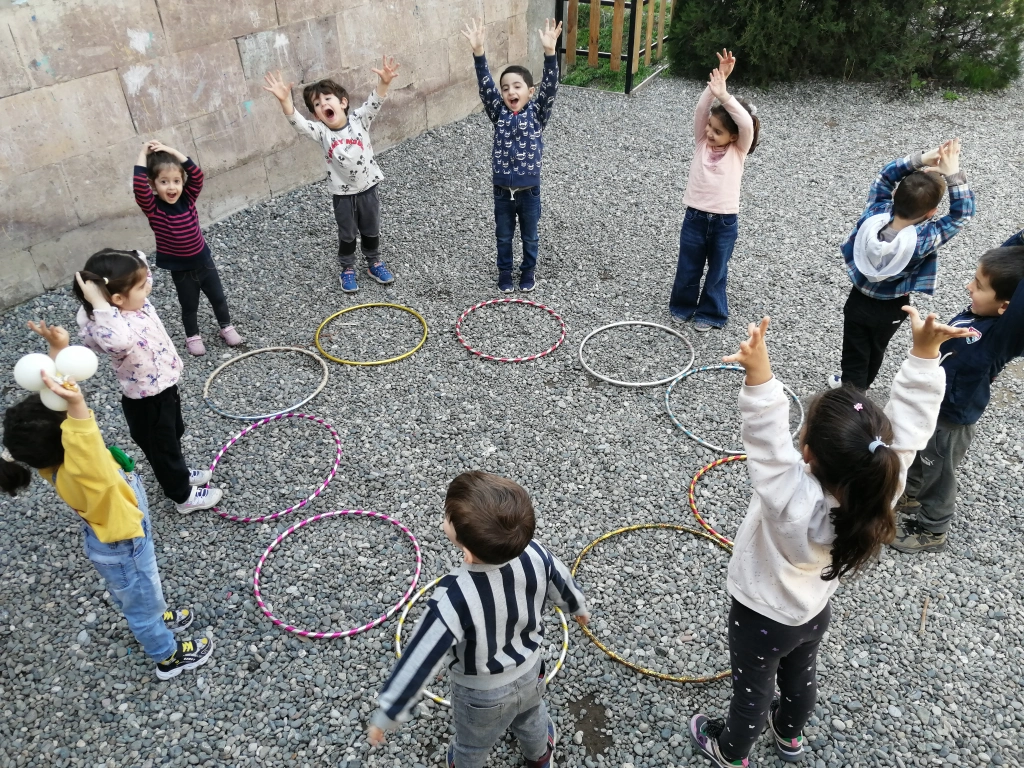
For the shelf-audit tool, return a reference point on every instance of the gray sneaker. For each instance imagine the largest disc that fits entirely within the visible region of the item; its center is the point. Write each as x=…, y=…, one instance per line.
x=912, y=539
x=200, y=498
x=199, y=476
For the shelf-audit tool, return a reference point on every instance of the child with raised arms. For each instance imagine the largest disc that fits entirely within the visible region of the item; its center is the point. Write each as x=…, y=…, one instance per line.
x=117, y=319
x=67, y=450
x=166, y=184
x=487, y=613
x=725, y=133
x=818, y=513
x=352, y=170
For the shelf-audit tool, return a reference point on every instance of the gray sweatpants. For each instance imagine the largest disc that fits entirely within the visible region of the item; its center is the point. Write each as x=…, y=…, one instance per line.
x=931, y=479
x=358, y=214
x=482, y=717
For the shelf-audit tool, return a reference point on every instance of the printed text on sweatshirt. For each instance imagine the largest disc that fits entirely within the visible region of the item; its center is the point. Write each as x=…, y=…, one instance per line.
x=180, y=244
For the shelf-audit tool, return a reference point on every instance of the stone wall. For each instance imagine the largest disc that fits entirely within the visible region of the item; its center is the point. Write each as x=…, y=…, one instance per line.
x=84, y=83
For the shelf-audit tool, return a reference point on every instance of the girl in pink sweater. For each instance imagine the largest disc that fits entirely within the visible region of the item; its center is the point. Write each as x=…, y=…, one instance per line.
x=725, y=134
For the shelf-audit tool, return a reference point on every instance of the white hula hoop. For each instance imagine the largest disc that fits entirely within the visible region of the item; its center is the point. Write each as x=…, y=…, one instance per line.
x=637, y=384
x=255, y=417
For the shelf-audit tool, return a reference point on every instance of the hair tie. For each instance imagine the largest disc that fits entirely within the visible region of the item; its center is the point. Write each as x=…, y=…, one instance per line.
x=752, y=109
x=6, y=456
x=876, y=444
x=105, y=281
x=858, y=406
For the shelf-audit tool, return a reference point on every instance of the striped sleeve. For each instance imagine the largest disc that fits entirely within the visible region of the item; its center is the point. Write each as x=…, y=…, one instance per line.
x=194, y=185
x=143, y=194
x=562, y=590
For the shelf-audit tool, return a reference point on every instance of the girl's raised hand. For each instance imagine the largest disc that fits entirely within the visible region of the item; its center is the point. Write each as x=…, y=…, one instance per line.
x=388, y=70
x=476, y=34
x=55, y=336
x=276, y=85
x=717, y=85
x=929, y=333
x=753, y=354
x=726, y=62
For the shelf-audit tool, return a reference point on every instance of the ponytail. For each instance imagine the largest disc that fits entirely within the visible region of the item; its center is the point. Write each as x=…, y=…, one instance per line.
x=13, y=476
x=113, y=271
x=33, y=436
x=730, y=125
x=848, y=437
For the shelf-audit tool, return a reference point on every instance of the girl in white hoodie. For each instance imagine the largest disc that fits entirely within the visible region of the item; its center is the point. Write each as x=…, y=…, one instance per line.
x=817, y=513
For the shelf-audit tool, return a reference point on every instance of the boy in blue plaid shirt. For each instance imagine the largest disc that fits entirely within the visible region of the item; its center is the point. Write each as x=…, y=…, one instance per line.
x=893, y=251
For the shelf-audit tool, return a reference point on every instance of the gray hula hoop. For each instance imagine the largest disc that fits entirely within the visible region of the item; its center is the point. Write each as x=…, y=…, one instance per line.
x=637, y=384
x=705, y=443
x=256, y=417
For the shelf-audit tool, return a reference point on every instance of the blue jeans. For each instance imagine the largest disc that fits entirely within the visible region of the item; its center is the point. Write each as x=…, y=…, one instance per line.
x=129, y=568
x=1016, y=240
x=524, y=205
x=706, y=238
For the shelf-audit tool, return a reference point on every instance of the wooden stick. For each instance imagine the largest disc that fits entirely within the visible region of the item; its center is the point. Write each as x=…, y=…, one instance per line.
x=650, y=32
x=924, y=615
x=595, y=33
x=661, y=27
x=618, y=16
x=570, y=32
x=638, y=31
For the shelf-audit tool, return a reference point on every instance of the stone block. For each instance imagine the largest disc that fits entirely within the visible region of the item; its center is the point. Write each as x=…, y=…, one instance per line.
x=36, y=206
x=294, y=166
x=359, y=48
x=232, y=191
x=101, y=181
x=225, y=139
x=497, y=45
x=460, y=60
x=495, y=11
x=426, y=68
x=518, y=42
x=64, y=41
x=194, y=23
x=273, y=131
x=298, y=10
x=13, y=74
x=57, y=260
x=181, y=86
x=47, y=125
x=304, y=52
x=19, y=280
x=404, y=115
x=518, y=7
x=453, y=102
x=459, y=13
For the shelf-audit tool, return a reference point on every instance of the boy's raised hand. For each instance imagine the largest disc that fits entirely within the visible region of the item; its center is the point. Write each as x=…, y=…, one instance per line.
x=476, y=34
x=717, y=85
x=388, y=70
x=275, y=84
x=929, y=333
x=949, y=158
x=55, y=336
x=726, y=62
x=753, y=354
x=549, y=36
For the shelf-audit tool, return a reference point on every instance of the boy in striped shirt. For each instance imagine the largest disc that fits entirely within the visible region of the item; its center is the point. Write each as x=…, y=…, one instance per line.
x=487, y=613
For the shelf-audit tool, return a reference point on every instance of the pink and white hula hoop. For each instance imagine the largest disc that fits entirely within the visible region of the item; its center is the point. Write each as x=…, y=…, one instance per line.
x=322, y=487
x=355, y=630
x=495, y=358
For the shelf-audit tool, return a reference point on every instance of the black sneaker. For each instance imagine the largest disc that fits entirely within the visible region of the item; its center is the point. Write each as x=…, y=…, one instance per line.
x=790, y=750
x=178, y=621
x=188, y=655
x=527, y=281
x=911, y=538
x=505, y=284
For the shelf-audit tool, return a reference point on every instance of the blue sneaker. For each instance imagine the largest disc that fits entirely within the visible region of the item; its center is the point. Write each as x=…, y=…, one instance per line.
x=348, y=280
x=505, y=284
x=704, y=733
x=526, y=281
x=381, y=273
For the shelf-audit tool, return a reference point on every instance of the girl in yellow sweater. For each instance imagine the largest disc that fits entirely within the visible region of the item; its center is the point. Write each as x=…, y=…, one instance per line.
x=69, y=453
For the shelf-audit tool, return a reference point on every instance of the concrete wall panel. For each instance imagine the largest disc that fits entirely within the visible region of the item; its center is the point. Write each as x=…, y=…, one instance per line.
x=37, y=207
x=497, y=46
x=404, y=114
x=181, y=86
x=57, y=260
x=232, y=191
x=304, y=52
x=298, y=10
x=518, y=48
x=19, y=280
x=452, y=103
x=426, y=68
x=13, y=74
x=294, y=166
x=192, y=23
x=225, y=139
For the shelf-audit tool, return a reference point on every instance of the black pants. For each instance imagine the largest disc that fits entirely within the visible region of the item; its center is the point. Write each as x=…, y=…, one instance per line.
x=358, y=214
x=190, y=283
x=764, y=652
x=156, y=426
x=868, y=325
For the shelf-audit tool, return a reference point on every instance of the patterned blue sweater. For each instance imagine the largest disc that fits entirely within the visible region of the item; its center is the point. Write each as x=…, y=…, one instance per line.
x=518, y=144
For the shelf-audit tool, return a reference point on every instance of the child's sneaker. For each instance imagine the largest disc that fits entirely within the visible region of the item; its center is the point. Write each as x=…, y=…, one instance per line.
x=526, y=281
x=189, y=654
x=199, y=476
x=790, y=750
x=704, y=733
x=701, y=327
x=906, y=510
x=381, y=273
x=230, y=336
x=835, y=381
x=195, y=346
x=178, y=621
x=200, y=498
x=348, y=280
x=505, y=284
x=911, y=539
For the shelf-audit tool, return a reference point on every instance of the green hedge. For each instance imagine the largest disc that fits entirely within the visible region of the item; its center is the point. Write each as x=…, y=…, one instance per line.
x=972, y=43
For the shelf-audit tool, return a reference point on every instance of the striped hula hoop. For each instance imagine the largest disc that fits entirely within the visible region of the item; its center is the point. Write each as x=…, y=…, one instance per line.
x=705, y=443
x=608, y=651
x=217, y=410
x=636, y=384
x=320, y=489
x=355, y=630
x=442, y=701
x=725, y=542
x=495, y=358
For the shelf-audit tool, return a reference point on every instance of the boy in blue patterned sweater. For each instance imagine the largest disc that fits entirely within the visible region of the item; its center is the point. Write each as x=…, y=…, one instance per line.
x=519, y=119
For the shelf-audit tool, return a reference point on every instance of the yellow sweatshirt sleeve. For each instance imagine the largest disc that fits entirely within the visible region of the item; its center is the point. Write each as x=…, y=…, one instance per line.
x=89, y=481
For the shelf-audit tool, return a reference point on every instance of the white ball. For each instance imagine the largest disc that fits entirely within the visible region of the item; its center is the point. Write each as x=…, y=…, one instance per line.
x=53, y=401
x=77, y=362
x=26, y=371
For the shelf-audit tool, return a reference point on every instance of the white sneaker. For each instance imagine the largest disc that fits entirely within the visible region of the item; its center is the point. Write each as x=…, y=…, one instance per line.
x=835, y=381
x=199, y=476
x=200, y=498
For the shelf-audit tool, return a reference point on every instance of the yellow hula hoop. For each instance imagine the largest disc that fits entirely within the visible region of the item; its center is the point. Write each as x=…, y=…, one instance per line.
x=612, y=654
x=402, y=356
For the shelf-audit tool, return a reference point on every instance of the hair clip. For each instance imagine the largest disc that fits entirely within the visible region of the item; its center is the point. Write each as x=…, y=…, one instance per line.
x=752, y=109
x=105, y=281
x=876, y=444
x=858, y=406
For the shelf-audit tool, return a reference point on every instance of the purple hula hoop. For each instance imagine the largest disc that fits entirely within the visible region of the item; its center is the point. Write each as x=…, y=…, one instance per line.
x=495, y=358
x=348, y=632
x=304, y=502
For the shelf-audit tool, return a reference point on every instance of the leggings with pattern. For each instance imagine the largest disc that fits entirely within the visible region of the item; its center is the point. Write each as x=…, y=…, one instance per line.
x=764, y=652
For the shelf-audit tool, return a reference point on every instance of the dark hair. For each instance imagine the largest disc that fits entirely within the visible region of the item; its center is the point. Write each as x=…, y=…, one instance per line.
x=121, y=270
x=157, y=161
x=917, y=194
x=730, y=125
x=515, y=69
x=323, y=88
x=841, y=425
x=1004, y=268
x=492, y=516
x=32, y=435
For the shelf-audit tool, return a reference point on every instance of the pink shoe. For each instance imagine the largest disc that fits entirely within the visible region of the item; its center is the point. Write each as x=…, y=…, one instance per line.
x=230, y=336
x=195, y=345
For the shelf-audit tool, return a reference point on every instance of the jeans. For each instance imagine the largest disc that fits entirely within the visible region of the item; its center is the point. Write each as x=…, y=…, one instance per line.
x=868, y=327
x=358, y=214
x=129, y=569
x=931, y=479
x=706, y=238
x=1016, y=240
x=189, y=283
x=508, y=206
x=482, y=717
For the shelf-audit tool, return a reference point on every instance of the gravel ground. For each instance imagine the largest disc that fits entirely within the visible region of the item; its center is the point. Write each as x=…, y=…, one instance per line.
x=75, y=688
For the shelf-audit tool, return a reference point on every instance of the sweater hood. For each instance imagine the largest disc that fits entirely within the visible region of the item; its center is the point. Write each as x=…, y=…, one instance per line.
x=877, y=259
